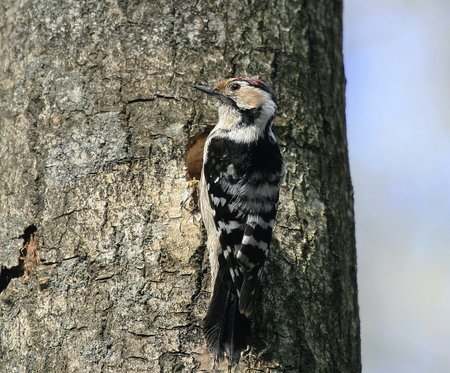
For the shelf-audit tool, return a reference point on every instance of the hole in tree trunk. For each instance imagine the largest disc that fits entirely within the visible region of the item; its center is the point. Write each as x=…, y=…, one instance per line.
x=194, y=154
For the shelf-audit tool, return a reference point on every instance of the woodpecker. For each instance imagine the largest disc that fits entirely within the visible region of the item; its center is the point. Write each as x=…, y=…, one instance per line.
x=239, y=190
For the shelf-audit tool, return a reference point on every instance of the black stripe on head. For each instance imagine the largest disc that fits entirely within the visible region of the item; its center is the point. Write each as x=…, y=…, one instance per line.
x=249, y=115
x=259, y=83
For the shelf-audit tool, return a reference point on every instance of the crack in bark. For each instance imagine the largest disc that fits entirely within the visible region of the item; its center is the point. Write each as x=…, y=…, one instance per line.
x=28, y=259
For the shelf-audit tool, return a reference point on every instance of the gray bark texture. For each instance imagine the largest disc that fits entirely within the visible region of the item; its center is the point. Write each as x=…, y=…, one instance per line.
x=102, y=248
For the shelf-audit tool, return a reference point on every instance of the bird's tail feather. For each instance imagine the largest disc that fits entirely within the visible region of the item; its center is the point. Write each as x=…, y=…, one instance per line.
x=226, y=329
x=249, y=290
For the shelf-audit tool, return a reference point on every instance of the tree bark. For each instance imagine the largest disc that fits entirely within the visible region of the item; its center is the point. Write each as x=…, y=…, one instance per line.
x=102, y=250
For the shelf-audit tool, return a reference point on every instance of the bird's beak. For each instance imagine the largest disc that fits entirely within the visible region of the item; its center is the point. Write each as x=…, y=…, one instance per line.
x=207, y=90
x=224, y=99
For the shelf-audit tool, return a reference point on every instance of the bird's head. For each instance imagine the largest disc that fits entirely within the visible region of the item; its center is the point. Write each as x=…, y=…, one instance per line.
x=242, y=93
x=247, y=107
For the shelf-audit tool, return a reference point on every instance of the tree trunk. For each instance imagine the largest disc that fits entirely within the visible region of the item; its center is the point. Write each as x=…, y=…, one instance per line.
x=102, y=249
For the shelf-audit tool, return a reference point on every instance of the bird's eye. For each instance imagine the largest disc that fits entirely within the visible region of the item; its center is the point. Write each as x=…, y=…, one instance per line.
x=235, y=86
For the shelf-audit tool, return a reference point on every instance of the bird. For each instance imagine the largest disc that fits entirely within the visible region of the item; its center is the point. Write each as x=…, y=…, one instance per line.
x=240, y=181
